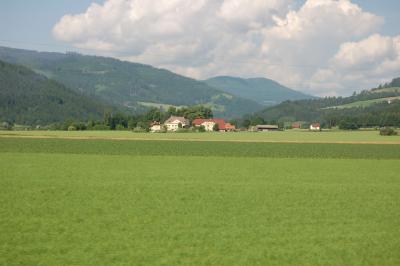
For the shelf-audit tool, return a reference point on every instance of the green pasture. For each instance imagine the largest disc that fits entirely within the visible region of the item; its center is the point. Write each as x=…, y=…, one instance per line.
x=159, y=105
x=392, y=89
x=126, y=202
x=332, y=136
x=365, y=103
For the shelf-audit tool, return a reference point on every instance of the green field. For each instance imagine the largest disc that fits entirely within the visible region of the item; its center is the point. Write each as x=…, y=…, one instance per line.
x=157, y=202
x=302, y=136
x=365, y=103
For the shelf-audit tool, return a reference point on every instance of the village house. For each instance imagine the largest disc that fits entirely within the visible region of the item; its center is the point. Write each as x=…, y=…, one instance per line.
x=175, y=122
x=315, y=127
x=209, y=124
x=155, y=127
x=229, y=127
x=296, y=125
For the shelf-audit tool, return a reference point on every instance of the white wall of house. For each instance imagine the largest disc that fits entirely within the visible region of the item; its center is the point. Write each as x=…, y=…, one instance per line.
x=155, y=128
x=314, y=128
x=209, y=125
x=174, y=125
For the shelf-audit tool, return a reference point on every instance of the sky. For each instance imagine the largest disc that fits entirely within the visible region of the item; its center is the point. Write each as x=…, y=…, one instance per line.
x=322, y=47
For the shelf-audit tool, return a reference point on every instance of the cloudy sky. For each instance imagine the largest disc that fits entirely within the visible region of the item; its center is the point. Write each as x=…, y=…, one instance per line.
x=323, y=47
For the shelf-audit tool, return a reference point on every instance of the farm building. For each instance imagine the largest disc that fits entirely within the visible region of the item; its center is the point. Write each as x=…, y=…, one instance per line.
x=229, y=127
x=296, y=125
x=175, y=122
x=210, y=123
x=315, y=126
x=155, y=126
x=266, y=128
x=300, y=125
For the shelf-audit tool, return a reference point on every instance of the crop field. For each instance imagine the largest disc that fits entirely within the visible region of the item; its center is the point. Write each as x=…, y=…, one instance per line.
x=289, y=136
x=156, y=202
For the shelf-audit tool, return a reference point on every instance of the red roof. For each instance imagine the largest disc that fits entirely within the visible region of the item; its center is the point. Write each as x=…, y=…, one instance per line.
x=296, y=125
x=316, y=125
x=220, y=122
x=229, y=126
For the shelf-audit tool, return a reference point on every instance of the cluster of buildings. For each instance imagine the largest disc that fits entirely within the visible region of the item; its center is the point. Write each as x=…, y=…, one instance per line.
x=296, y=125
x=312, y=127
x=174, y=123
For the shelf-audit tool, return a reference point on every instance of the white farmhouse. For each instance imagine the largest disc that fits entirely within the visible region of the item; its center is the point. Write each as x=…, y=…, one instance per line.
x=155, y=126
x=173, y=122
x=315, y=127
x=208, y=125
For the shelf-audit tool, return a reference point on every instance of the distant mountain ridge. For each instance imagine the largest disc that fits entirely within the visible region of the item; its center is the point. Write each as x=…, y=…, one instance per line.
x=30, y=98
x=262, y=90
x=124, y=84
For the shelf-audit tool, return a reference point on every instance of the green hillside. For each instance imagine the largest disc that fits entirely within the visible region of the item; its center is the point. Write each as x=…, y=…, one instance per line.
x=391, y=89
x=125, y=84
x=375, y=107
x=366, y=103
x=29, y=98
x=262, y=90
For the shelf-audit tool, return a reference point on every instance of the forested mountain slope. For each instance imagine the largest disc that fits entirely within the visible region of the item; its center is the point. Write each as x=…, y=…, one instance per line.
x=125, y=83
x=30, y=98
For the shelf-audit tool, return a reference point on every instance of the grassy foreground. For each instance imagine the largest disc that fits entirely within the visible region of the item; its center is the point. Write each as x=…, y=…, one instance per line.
x=99, y=202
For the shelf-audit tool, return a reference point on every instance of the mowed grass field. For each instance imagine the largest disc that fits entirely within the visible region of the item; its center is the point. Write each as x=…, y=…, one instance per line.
x=135, y=202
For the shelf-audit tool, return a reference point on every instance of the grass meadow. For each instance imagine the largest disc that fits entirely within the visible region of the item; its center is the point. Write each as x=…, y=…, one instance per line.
x=302, y=136
x=135, y=202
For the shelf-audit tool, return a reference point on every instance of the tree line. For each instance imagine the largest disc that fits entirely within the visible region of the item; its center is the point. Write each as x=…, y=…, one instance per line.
x=139, y=122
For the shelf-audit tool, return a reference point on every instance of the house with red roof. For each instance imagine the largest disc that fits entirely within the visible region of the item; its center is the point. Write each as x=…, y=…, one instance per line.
x=229, y=127
x=296, y=125
x=315, y=126
x=209, y=124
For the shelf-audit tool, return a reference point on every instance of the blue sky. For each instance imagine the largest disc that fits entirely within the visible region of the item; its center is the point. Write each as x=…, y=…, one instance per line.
x=28, y=23
x=389, y=9
x=245, y=41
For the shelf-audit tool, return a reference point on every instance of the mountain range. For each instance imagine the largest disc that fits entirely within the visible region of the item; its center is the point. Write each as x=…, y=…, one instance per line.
x=261, y=90
x=128, y=85
x=131, y=87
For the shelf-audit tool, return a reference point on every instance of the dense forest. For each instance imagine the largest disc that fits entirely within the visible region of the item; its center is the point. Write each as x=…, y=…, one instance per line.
x=32, y=99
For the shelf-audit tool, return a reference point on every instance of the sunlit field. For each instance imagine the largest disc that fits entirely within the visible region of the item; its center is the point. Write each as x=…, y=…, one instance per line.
x=107, y=202
x=280, y=136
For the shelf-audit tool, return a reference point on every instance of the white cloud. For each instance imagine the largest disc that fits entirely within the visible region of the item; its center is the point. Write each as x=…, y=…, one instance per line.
x=369, y=52
x=361, y=64
x=211, y=37
x=255, y=14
